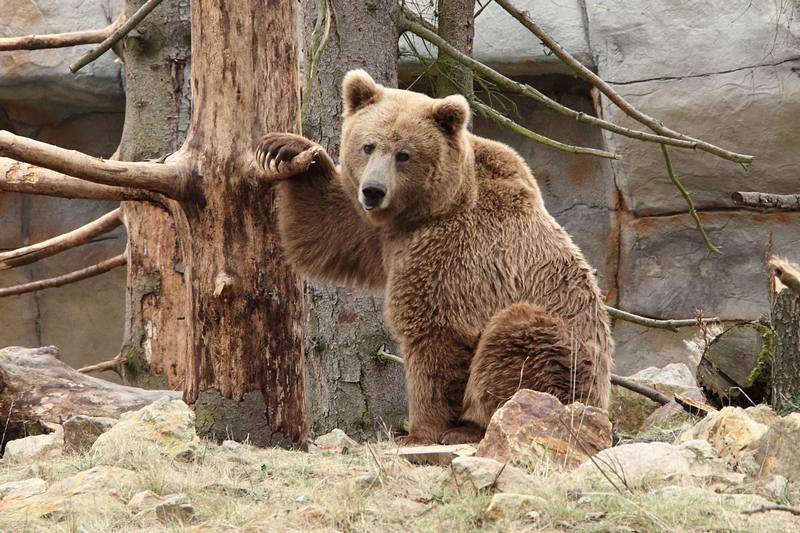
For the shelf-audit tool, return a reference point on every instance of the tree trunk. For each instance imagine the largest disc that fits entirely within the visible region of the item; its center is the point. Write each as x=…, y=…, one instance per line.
x=349, y=387
x=156, y=57
x=786, y=351
x=244, y=311
x=456, y=25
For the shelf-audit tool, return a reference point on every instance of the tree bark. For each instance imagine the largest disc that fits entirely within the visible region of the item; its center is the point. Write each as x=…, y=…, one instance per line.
x=348, y=387
x=786, y=351
x=456, y=25
x=158, y=107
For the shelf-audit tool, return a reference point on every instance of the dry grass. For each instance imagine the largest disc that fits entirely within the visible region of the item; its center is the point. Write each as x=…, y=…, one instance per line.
x=251, y=489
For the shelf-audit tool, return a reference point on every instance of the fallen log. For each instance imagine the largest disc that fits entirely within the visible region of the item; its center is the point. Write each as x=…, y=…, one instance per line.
x=37, y=389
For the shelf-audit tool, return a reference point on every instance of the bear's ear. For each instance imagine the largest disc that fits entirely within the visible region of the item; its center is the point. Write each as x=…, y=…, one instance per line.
x=359, y=90
x=451, y=114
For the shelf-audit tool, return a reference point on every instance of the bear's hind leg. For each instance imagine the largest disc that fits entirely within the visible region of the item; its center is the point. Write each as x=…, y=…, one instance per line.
x=523, y=347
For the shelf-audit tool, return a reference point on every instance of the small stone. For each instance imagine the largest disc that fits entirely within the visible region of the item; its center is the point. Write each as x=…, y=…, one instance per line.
x=142, y=501
x=231, y=445
x=174, y=508
x=35, y=447
x=484, y=473
x=533, y=426
x=80, y=431
x=335, y=441
x=366, y=481
x=515, y=506
x=303, y=498
x=22, y=489
x=777, y=488
x=439, y=454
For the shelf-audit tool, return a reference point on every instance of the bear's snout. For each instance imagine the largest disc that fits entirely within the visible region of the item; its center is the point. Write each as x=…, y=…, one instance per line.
x=372, y=195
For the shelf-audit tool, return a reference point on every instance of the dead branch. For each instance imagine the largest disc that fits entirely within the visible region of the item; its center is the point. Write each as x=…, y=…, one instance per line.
x=115, y=36
x=409, y=24
x=111, y=364
x=65, y=279
x=501, y=119
x=163, y=178
x=670, y=324
x=638, y=388
x=773, y=507
x=787, y=272
x=612, y=95
x=30, y=179
x=688, y=199
x=77, y=237
x=58, y=40
x=766, y=201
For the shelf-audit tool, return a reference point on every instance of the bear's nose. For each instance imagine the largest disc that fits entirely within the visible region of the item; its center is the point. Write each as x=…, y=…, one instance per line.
x=373, y=194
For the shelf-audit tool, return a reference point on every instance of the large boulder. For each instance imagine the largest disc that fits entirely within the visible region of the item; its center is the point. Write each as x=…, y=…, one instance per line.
x=776, y=451
x=167, y=424
x=35, y=447
x=534, y=426
x=646, y=465
x=732, y=432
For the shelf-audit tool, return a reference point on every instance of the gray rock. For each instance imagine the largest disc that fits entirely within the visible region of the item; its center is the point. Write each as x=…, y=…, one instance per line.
x=483, y=473
x=22, y=489
x=514, y=506
x=35, y=447
x=80, y=431
x=776, y=450
x=643, y=40
x=44, y=74
x=335, y=441
x=168, y=509
x=776, y=488
x=666, y=271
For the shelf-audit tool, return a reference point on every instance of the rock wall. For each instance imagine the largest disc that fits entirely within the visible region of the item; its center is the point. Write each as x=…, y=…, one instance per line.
x=40, y=98
x=727, y=71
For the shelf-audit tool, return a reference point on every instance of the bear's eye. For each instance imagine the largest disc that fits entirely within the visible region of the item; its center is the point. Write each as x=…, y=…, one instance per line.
x=369, y=148
x=400, y=157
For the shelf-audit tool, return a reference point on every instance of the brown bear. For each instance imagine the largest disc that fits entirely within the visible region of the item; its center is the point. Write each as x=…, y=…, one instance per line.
x=485, y=292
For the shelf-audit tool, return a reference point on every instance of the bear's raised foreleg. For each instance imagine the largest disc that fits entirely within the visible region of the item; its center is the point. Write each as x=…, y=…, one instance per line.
x=523, y=347
x=322, y=234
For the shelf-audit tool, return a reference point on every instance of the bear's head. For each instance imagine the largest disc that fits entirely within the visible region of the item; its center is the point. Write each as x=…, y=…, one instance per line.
x=405, y=157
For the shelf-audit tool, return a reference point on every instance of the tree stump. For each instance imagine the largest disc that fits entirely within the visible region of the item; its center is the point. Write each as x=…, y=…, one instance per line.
x=785, y=374
x=734, y=369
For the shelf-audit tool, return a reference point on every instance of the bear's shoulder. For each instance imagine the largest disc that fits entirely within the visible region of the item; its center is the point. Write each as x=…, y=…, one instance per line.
x=497, y=161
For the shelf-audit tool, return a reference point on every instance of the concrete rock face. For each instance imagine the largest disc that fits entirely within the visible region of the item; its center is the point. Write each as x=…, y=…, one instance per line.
x=533, y=427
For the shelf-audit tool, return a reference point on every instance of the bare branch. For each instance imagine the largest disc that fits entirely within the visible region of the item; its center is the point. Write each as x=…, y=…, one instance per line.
x=72, y=277
x=670, y=324
x=774, y=507
x=118, y=34
x=82, y=235
x=111, y=364
x=30, y=179
x=612, y=95
x=510, y=124
x=638, y=388
x=688, y=200
x=156, y=177
x=526, y=90
x=767, y=201
x=58, y=40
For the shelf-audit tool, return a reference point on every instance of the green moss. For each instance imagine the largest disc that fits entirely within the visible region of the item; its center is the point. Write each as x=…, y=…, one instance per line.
x=760, y=376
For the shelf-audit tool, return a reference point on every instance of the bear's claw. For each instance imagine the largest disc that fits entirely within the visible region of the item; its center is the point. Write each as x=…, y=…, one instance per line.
x=285, y=155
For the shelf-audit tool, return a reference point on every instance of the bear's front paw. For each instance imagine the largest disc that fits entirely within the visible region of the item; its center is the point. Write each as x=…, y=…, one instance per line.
x=466, y=434
x=285, y=155
x=413, y=440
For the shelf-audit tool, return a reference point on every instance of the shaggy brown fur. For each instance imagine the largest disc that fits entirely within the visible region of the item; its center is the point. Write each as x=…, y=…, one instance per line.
x=485, y=292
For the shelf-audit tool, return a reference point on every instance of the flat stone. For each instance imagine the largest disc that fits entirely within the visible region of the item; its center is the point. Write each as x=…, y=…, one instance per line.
x=482, y=473
x=438, y=454
x=166, y=423
x=515, y=506
x=22, y=489
x=80, y=431
x=534, y=426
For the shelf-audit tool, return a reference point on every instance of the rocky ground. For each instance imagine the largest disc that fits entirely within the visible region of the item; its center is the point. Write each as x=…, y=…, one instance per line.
x=149, y=471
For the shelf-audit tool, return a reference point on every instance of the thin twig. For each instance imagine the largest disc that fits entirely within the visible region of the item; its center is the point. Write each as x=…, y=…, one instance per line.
x=688, y=199
x=501, y=119
x=669, y=324
x=58, y=40
x=612, y=95
x=111, y=364
x=72, y=277
x=30, y=179
x=164, y=178
x=84, y=234
x=118, y=34
x=773, y=507
x=526, y=90
x=767, y=201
